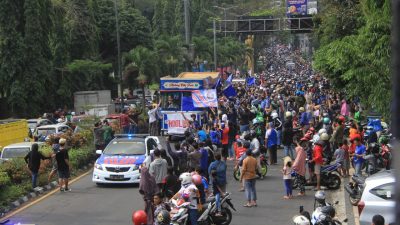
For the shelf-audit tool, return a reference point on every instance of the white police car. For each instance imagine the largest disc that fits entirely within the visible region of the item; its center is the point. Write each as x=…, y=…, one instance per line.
x=121, y=159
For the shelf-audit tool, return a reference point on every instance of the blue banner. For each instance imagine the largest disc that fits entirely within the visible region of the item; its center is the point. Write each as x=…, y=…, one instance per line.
x=296, y=7
x=251, y=81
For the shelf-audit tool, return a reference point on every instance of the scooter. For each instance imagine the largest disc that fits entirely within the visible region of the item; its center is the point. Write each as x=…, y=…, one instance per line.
x=329, y=178
x=355, y=189
x=209, y=214
x=263, y=172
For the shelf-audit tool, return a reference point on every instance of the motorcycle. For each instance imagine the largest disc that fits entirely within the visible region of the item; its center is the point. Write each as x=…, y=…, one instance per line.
x=180, y=215
x=329, y=178
x=323, y=215
x=263, y=172
x=355, y=189
x=209, y=214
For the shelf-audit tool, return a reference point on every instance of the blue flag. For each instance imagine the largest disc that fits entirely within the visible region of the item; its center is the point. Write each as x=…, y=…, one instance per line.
x=229, y=79
x=229, y=91
x=218, y=83
x=251, y=81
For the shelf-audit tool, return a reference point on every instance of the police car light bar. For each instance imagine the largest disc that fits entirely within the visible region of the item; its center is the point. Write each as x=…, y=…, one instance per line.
x=131, y=135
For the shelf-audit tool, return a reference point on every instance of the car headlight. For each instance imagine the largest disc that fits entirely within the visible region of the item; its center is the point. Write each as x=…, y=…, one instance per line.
x=98, y=166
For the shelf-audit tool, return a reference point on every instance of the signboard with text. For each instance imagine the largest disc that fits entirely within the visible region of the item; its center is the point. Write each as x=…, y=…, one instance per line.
x=176, y=123
x=296, y=7
x=181, y=84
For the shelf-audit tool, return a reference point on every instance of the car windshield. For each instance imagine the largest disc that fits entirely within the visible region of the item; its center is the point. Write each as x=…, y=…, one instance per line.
x=32, y=124
x=125, y=148
x=9, y=153
x=46, y=131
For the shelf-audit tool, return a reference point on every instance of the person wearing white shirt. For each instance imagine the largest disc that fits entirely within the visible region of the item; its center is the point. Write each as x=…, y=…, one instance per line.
x=153, y=121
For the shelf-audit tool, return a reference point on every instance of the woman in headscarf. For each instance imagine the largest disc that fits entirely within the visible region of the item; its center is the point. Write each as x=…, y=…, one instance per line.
x=147, y=188
x=344, y=110
x=299, y=165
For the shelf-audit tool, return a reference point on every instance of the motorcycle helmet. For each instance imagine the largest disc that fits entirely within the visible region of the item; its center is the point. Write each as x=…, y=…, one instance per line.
x=288, y=114
x=196, y=179
x=326, y=120
x=59, y=120
x=319, y=197
x=342, y=119
x=274, y=115
x=139, y=217
x=300, y=220
x=321, y=131
x=324, y=137
x=185, y=178
x=328, y=210
x=255, y=121
x=163, y=218
x=252, y=134
x=384, y=140
x=301, y=109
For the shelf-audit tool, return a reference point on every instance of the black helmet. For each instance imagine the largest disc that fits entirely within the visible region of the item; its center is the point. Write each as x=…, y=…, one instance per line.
x=328, y=210
x=163, y=218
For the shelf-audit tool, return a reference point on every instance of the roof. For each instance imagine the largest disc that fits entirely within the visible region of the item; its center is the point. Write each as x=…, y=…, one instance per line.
x=23, y=144
x=198, y=75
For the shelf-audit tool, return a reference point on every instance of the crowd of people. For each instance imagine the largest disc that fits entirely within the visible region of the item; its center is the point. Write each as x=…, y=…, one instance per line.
x=289, y=107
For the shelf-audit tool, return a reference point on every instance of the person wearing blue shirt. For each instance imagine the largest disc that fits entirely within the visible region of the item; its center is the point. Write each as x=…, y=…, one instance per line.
x=358, y=156
x=203, y=159
x=202, y=135
x=220, y=167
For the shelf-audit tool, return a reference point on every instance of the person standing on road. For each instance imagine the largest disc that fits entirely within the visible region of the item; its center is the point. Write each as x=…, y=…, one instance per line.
x=225, y=140
x=98, y=132
x=147, y=188
x=153, y=119
x=287, y=135
x=248, y=174
x=358, y=156
x=271, y=139
x=318, y=161
x=220, y=167
x=287, y=177
x=33, y=160
x=299, y=166
x=55, y=147
x=158, y=168
x=108, y=133
x=63, y=166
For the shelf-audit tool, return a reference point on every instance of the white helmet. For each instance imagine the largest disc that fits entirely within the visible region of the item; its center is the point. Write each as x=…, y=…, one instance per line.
x=320, y=196
x=300, y=220
x=274, y=115
x=288, y=114
x=255, y=121
x=73, y=113
x=324, y=137
x=60, y=120
x=321, y=131
x=185, y=178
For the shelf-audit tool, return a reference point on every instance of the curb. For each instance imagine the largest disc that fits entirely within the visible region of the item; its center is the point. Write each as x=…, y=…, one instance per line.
x=37, y=192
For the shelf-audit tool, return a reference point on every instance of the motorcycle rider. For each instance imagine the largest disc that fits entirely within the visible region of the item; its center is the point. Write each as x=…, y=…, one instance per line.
x=189, y=193
x=255, y=148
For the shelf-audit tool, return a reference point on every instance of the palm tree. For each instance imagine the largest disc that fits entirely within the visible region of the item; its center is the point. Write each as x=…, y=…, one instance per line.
x=170, y=52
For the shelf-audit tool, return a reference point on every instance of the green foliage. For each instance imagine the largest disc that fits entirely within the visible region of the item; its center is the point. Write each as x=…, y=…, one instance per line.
x=267, y=12
x=359, y=63
x=4, y=179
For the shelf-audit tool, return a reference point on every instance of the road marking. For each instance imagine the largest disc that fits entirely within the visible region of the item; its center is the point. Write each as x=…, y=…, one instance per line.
x=43, y=197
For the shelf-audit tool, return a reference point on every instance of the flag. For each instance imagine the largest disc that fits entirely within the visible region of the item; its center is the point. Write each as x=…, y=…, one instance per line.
x=229, y=79
x=229, y=91
x=205, y=98
x=251, y=81
x=218, y=83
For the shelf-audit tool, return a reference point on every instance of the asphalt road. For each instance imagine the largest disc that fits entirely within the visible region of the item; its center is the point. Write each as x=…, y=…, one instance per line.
x=88, y=204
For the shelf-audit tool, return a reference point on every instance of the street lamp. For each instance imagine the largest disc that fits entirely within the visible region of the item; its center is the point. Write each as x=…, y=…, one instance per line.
x=223, y=8
x=119, y=53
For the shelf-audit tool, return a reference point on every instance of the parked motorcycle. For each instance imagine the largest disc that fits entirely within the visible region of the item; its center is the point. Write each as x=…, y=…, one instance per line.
x=263, y=172
x=355, y=189
x=209, y=217
x=329, y=177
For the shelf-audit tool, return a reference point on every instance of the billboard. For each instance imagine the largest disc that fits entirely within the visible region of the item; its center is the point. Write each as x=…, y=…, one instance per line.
x=296, y=7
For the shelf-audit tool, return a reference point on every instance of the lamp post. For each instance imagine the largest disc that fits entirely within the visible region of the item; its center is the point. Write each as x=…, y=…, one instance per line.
x=119, y=53
x=224, y=9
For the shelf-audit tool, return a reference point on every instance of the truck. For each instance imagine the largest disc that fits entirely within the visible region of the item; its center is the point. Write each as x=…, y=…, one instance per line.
x=96, y=103
x=13, y=131
x=176, y=99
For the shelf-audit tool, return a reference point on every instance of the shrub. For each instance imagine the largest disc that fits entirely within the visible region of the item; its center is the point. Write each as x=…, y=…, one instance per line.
x=16, y=169
x=4, y=179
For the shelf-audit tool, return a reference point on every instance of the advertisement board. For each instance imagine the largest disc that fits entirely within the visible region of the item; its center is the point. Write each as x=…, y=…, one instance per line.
x=296, y=7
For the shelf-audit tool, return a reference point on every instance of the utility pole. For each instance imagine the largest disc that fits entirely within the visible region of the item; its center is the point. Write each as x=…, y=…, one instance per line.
x=187, y=20
x=215, y=46
x=224, y=9
x=119, y=54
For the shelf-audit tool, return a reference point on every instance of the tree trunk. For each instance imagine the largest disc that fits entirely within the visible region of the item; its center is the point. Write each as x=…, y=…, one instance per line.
x=144, y=98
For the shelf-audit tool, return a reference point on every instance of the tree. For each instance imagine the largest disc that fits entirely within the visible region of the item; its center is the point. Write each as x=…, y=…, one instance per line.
x=170, y=52
x=359, y=63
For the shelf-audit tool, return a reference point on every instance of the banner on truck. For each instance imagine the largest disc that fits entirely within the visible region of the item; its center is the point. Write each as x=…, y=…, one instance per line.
x=177, y=123
x=296, y=7
x=205, y=98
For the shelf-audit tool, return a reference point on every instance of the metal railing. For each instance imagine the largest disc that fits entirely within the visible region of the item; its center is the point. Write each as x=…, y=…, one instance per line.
x=303, y=24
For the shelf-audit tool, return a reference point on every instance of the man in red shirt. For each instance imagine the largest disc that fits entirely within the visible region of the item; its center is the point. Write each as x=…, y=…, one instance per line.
x=125, y=121
x=225, y=140
x=318, y=160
